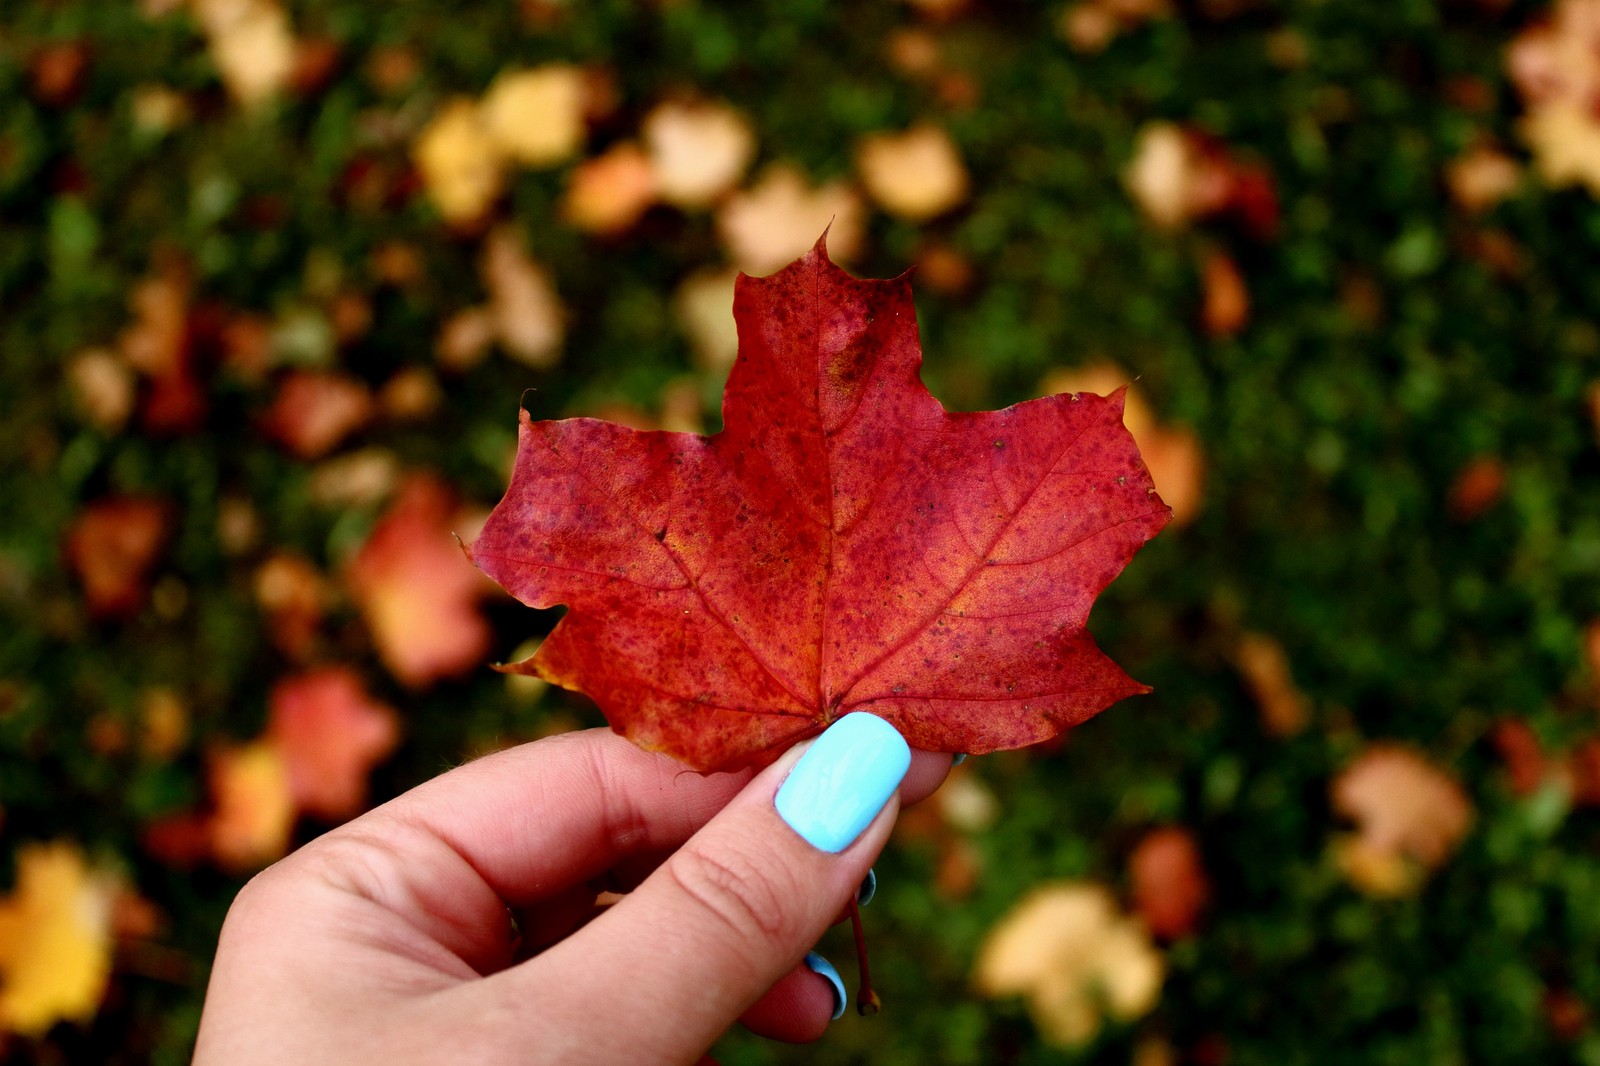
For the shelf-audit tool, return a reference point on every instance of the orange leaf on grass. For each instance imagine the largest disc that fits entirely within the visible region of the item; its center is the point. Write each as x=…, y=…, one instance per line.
x=418, y=595
x=315, y=411
x=1170, y=888
x=845, y=543
x=253, y=811
x=111, y=548
x=331, y=733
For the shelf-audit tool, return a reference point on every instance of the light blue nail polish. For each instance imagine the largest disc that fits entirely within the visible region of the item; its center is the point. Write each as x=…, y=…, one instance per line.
x=821, y=966
x=868, y=889
x=959, y=758
x=843, y=780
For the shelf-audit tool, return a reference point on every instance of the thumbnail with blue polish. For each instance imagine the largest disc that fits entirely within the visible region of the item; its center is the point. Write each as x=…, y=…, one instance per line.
x=843, y=780
x=823, y=968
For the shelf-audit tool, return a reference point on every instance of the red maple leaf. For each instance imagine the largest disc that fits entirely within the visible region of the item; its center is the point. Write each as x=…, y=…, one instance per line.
x=844, y=544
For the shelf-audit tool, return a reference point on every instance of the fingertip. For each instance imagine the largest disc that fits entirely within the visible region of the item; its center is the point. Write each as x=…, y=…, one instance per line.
x=798, y=1009
x=928, y=771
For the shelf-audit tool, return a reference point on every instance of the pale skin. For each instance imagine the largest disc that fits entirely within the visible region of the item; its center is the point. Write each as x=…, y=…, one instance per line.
x=390, y=940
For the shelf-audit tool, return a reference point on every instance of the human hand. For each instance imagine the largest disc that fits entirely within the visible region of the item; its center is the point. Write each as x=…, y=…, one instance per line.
x=390, y=939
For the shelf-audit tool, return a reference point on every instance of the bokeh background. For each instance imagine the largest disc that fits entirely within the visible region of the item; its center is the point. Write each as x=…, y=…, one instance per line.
x=276, y=275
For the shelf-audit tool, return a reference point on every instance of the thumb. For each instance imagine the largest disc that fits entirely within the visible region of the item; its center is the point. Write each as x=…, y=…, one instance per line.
x=664, y=972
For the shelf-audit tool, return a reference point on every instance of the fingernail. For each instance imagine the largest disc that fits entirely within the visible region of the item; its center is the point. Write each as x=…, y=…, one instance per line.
x=868, y=889
x=959, y=758
x=843, y=780
x=822, y=967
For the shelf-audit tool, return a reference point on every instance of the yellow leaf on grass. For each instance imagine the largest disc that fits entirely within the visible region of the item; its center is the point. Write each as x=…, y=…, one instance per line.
x=1076, y=958
x=460, y=162
x=778, y=219
x=698, y=151
x=55, y=940
x=1565, y=139
x=535, y=117
x=917, y=174
x=251, y=45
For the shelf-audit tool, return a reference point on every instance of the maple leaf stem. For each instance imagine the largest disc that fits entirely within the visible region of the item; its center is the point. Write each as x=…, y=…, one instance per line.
x=866, y=999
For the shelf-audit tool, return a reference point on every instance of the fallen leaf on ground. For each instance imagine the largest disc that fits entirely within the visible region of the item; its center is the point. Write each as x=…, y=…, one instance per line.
x=916, y=175
x=315, y=411
x=418, y=595
x=1225, y=306
x=253, y=808
x=843, y=544
x=251, y=44
x=103, y=387
x=703, y=307
x=460, y=163
x=1170, y=887
x=55, y=939
x=1264, y=665
x=697, y=151
x=524, y=310
x=331, y=733
x=779, y=217
x=294, y=597
x=1409, y=816
x=535, y=117
x=1076, y=958
x=112, y=547
x=1481, y=177
x=607, y=194
x=1478, y=486
x=1565, y=139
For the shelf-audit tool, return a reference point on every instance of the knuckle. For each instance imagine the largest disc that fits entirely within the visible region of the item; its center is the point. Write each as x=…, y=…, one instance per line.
x=754, y=901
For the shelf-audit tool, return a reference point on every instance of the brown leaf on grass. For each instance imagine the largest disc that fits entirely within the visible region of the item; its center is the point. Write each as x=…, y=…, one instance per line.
x=102, y=387
x=916, y=175
x=1481, y=177
x=464, y=339
x=56, y=72
x=1076, y=958
x=1170, y=887
x=1265, y=668
x=112, y=547
x=330, y=733
x=778, y=219
x=524, y=310
x=163, y=724
x=535, y=117
x=1527, y=767
x=294, y=596
x=55, y=940
x=697, y=151
x=251, y=44
x=417, y=591
x=156, y=344
x=315, y=411
x=608, y=194
x=1172, y=453
x=1225, y=308
x=1409, y=816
